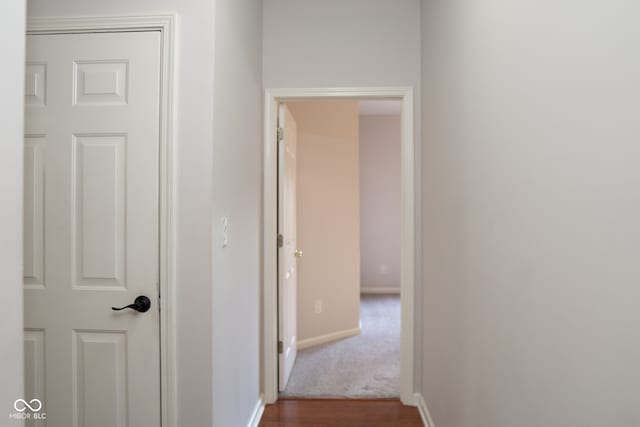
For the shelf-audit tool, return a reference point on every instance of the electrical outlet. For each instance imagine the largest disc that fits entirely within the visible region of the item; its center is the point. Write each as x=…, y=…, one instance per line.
x=318, y=306
x=384, y=269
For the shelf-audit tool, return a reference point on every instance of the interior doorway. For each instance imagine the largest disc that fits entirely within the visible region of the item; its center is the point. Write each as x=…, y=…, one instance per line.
x=279, y=354
x=339, y=205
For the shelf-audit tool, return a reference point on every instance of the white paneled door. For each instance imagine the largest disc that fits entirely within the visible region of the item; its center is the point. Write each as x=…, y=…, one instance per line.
x=287, y=252
x=91, y=228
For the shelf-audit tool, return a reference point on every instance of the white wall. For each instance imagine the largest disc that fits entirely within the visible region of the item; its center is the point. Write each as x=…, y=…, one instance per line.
x=12, y=18
x=237, y=189
x=328, y=216
x=309, y=43
x=531, y=213
x=380, y=189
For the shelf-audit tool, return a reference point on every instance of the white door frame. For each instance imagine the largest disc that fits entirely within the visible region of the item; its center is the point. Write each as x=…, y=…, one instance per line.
x=270, y=227
x=165, y=24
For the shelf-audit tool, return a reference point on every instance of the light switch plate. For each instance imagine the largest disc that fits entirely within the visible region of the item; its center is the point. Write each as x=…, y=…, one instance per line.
x=225, y=231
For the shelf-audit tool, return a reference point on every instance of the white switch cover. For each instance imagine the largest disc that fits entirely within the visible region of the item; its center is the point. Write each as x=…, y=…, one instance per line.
x=318, y=306
x=225, y=231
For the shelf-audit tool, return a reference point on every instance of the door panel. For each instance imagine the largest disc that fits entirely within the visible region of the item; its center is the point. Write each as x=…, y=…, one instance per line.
x=99, y=209
x=101, y=393
x=91, y=227
x=287, y=269
x=33, y=212
x=34, y=383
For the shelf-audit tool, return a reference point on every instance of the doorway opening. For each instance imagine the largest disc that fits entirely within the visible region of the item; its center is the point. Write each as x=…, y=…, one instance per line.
x=325, y=314
x=339, y=205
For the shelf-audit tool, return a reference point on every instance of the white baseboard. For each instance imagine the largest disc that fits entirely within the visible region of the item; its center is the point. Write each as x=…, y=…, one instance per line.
x=424, y=411
x=254, y=421
x=310, y=342
x=380, y=290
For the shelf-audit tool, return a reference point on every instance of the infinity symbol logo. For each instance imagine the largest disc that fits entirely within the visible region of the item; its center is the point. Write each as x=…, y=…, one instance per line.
x=21, y=405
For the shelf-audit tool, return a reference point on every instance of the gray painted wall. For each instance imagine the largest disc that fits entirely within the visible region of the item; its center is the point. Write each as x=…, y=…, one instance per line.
x=380, y=188
x=237, y=189
x=531, y=213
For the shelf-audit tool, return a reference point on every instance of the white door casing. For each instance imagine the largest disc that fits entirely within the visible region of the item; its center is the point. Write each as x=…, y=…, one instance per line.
x=91, y=227
x=410, y=170
x=287, y=268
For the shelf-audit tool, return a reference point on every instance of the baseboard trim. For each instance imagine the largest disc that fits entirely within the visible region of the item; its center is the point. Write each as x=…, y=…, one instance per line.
x=424, y=411
x=256, y=416
x=322, y=339
x=394, y=291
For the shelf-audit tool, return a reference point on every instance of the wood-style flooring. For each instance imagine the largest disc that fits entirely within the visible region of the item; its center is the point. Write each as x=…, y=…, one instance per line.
x=340, y=413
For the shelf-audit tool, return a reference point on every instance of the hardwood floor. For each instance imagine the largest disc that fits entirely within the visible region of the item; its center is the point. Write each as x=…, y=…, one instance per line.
x=340, y=413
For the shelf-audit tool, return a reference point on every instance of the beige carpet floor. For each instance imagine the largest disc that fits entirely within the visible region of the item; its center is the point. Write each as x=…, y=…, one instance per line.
x=364, y=366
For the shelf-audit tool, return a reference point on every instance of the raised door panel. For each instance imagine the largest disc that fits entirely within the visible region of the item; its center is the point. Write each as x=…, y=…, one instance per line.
x=101, y=82
x=35, y=84
x=34, y=371
x=33, y=209
x=99, y=362
x=99, y=223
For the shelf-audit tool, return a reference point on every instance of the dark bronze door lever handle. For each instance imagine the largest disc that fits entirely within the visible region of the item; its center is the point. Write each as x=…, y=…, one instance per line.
x=140, y=304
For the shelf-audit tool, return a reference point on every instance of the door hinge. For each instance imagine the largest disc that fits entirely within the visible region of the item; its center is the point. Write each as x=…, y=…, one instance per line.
x=280, y=347
x=280, y=240
x=280, y=134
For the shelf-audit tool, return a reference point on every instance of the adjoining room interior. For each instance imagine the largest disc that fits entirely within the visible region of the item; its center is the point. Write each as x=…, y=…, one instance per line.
x=348, y=186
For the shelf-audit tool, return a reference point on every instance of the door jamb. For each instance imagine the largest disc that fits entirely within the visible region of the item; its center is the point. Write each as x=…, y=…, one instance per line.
x=408, y=227
x=166, y=25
